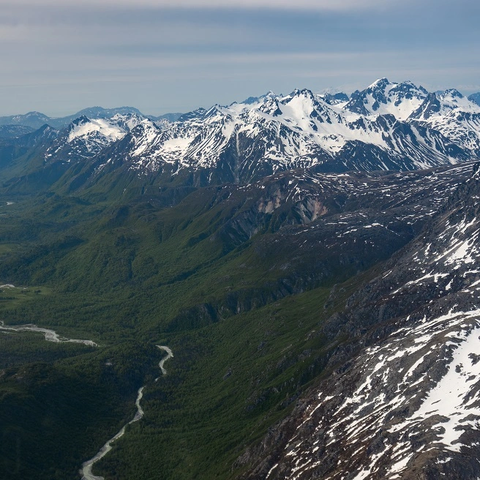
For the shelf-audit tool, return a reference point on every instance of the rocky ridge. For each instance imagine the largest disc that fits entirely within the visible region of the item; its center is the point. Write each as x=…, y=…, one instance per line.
x=388, y=126
x=405, y=402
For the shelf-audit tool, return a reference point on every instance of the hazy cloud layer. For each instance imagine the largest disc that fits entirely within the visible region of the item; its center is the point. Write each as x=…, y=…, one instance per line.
x=59, y=57
x=332, y=5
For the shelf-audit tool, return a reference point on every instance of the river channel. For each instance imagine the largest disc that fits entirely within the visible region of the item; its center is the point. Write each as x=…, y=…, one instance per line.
x=52, y=336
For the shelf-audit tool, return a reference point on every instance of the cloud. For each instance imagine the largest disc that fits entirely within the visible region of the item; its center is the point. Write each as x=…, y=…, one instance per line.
x=60, y=55
x=318, y=5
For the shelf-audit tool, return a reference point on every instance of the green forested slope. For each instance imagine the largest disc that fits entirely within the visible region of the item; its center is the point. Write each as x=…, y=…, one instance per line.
x=238, y=290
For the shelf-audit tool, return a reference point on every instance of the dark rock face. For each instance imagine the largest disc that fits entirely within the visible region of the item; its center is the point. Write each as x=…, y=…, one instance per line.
x=404, y=399
x=430, y=106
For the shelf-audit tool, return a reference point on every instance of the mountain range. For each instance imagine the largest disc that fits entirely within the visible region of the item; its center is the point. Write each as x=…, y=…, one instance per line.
x=311, y=260
x=35, y=120
x=387, y=126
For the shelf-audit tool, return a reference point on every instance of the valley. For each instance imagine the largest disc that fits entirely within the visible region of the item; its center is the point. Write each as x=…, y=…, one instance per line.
x=312, y=262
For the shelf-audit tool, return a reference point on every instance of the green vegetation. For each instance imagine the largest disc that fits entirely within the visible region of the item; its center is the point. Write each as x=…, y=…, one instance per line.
x=226, y=385
x=57, y=407
x=13, y=297
x=208, y=277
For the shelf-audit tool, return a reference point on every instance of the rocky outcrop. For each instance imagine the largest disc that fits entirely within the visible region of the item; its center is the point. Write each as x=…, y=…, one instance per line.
x=404, y=398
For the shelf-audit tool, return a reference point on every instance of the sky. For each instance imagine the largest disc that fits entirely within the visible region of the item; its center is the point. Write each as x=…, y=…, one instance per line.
x=160, y=56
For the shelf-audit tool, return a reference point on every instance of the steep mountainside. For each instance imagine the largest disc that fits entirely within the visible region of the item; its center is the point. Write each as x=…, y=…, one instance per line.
x=237, y=279
x=407, y=404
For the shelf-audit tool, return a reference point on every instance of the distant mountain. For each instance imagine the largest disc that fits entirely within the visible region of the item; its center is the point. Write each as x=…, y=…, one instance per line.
x=94, y=112
x=36, y=120
x=170, y=117
x=387, y=126
x=32, y=119
x=13, y=131
x=475, y=98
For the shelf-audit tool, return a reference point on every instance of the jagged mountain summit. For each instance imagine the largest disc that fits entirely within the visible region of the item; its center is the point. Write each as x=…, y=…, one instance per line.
x=383, y=97
x=388, y=126
x=405, y=402
x=273, y=133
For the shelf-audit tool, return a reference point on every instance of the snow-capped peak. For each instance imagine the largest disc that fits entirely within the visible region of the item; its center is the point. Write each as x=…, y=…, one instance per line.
x=453, y=99
x=86, y=137
x=111, y=129
x=85, y=127
x=386, y=126
x=383, y=97
x=379, y=83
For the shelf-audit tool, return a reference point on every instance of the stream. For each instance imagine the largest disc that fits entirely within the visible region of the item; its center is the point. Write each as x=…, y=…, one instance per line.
x=86, y=470
x=52, y=336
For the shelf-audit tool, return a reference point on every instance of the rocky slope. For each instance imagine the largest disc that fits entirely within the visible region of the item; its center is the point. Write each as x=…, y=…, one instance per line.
x=405, y=402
